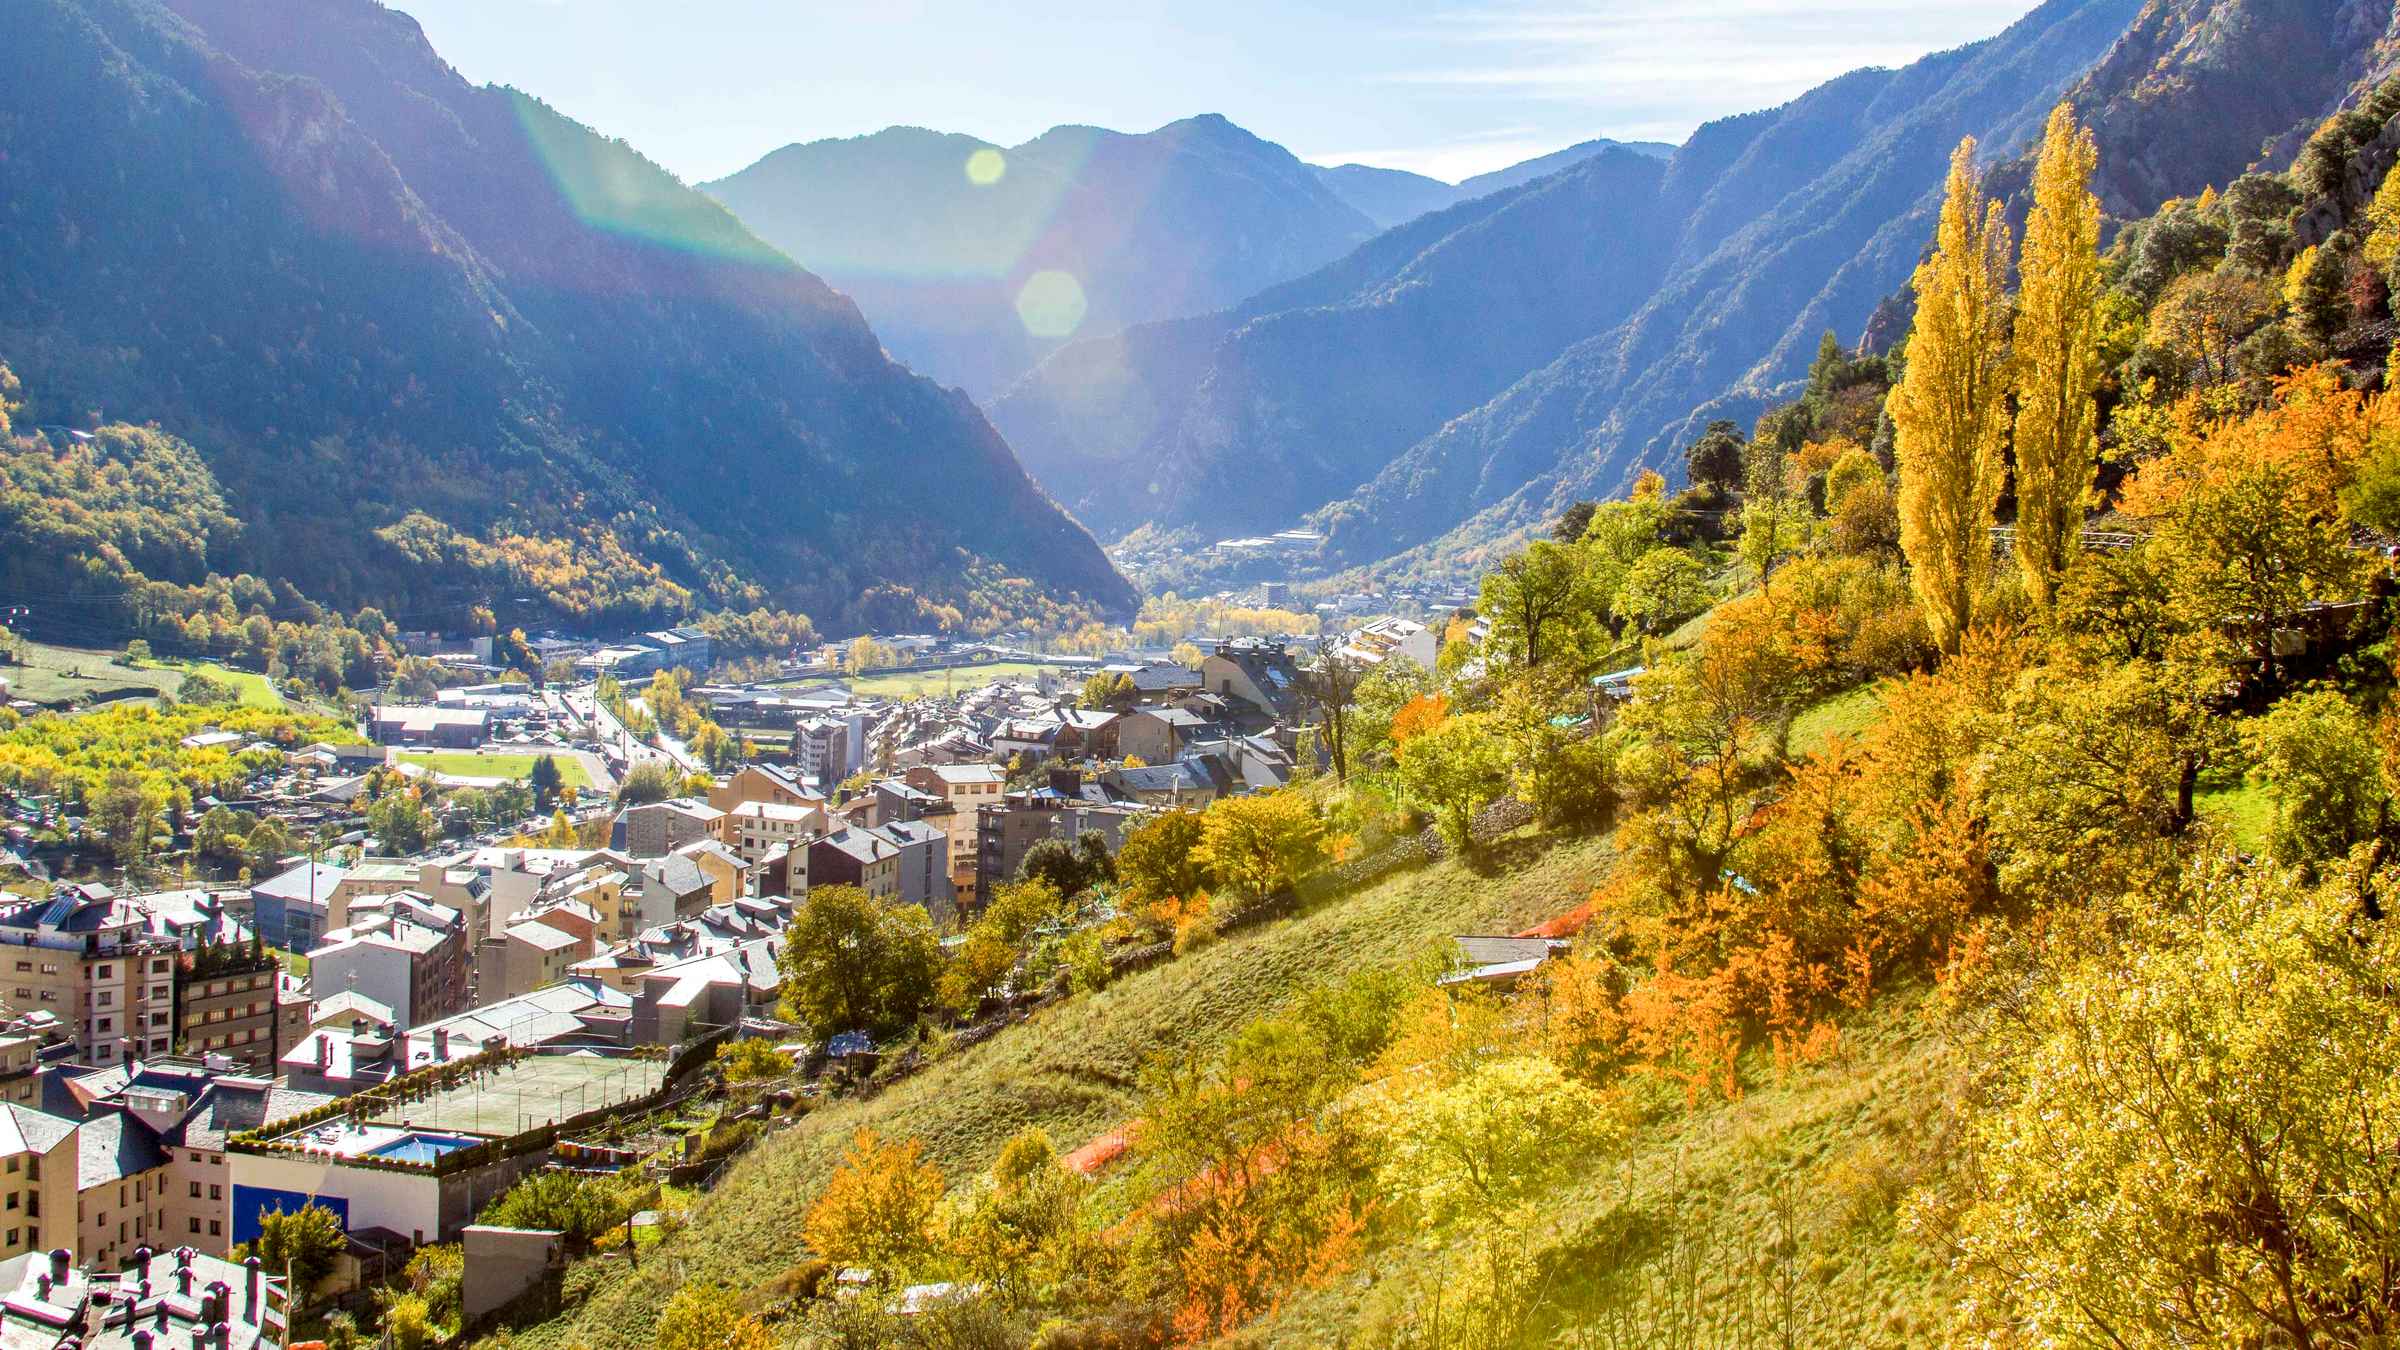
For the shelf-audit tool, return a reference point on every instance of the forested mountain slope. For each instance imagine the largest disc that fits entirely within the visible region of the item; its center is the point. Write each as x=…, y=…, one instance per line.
x=440, y=344
x=1679, y=276
x=2185, y=97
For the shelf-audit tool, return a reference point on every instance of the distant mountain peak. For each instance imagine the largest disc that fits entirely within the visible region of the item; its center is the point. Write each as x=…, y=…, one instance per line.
x=1184, y=219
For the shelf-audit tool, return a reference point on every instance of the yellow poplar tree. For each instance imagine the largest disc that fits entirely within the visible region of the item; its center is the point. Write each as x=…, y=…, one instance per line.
x=1951, y=407
x=2058, y=367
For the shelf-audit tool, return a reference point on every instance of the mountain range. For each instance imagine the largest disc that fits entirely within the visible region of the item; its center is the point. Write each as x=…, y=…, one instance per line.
x=1465, y=375
x=438, y=341
x=954, y=247
x=1392, y=197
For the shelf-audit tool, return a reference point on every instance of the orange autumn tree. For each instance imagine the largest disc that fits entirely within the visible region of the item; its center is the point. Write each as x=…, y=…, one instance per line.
x=1418, y=716
x=877, y=1209
x=1256, y=1193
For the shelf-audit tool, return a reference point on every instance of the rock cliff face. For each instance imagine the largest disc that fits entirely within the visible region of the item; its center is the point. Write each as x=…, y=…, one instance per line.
x=438, y=341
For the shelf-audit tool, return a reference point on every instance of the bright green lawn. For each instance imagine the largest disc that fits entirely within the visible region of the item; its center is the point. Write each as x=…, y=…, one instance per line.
x=61, y=674
x=494, y=764
x=2246, y=811
x=1844, y=714
x=257, y=691
x=85, y=675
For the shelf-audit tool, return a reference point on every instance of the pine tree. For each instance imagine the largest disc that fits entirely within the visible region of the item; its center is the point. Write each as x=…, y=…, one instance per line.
x=2058, y=302
x=1950, y=409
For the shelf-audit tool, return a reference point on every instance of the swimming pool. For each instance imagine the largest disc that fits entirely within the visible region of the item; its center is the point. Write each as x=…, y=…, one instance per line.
x=419, y=1147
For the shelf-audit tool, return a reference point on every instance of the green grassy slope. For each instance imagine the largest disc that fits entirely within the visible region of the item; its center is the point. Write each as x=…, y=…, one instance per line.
x=1696, y=1233
x=1071, y=1069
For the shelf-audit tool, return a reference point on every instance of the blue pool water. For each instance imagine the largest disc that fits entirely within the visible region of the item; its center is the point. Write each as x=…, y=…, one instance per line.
x=419, y=1147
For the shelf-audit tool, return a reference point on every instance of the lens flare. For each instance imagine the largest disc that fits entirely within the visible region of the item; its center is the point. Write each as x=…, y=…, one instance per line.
x=1051, y=305
x=986, y=166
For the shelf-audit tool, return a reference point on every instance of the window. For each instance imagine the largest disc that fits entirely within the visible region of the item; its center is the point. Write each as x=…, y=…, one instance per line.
x=195, y=1190
x=158, y=967
x=107, y=971
x=195, y=1225
x=216, y=1228
x=104, y=1024
x=216, y=1192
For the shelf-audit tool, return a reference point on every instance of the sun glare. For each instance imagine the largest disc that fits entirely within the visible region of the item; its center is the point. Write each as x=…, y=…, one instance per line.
x=1051, y=304
x=986, y=166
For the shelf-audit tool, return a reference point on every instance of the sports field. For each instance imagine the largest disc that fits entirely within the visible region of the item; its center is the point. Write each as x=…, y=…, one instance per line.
x=907, y=684
x=537, y=1090
x=495, y=764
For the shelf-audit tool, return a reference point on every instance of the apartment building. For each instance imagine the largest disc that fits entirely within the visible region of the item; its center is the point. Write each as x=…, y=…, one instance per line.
x=965, y=789
x=88, y=957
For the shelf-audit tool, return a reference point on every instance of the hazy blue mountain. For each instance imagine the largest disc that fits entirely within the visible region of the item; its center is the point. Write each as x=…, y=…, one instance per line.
x=1387, y=196
x=938, y=236
x=418, y=328
x=1395, y=196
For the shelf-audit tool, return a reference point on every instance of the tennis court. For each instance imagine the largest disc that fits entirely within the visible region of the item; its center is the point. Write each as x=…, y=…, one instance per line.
x=534, y=1091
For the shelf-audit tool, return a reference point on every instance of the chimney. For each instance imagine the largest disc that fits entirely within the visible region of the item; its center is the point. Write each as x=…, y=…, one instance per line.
x=141, y=1340
x=183, y=1279
x=59, y=1259
x=41, y=1287
x=255, y=1283
x=224, y=1335
x=141, y=1263
x=441, y=1045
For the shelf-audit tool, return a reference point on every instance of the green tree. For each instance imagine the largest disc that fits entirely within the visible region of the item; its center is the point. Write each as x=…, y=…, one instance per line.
x=545, y=780
x=1533, y=603
x=650, y=781
x=401, y=822
x=852, y=963
x=124, y=813
x=1453, y=771
x=1664, y=588
x=221, y=833
x=2242, y=560
x=206, y=691
x=2058, y=356
x=1771, y=532
x=1160, y=858
x=304, y=1241
x=1259, y=845
x=267, y=843
x=1715, y=460
x=2317, y=754
x=1018, y=1232
x=1491, y=1139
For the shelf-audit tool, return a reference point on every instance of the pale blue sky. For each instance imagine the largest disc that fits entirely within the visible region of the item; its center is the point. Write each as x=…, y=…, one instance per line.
x=707, y=86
